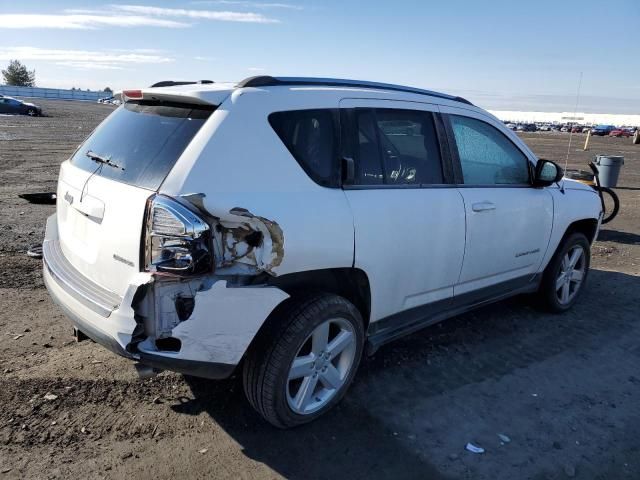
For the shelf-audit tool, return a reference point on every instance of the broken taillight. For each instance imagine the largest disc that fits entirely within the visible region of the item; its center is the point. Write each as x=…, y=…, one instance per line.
x=176, y=239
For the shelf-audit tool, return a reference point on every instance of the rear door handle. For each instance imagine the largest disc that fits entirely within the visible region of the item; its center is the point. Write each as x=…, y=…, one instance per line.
x=483, y=206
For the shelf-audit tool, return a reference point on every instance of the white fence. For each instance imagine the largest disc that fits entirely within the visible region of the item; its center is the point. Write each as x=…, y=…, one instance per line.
x=54, y=93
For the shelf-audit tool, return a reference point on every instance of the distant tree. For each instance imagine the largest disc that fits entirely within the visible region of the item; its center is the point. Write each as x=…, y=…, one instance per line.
x=73, y=89
x=108, y=90
x=18, y=75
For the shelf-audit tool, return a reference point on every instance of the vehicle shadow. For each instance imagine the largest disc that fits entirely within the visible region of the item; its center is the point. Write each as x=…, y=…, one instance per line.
x=619, y=237
x=403, y=379
x=346, y=443
x=518, y=331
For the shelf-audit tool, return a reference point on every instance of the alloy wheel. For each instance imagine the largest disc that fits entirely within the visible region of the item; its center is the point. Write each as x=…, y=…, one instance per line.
x=321, y=366
x=571, y=275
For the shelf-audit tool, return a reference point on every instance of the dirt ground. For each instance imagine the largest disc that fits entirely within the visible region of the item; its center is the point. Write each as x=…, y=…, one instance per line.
x=563, y=388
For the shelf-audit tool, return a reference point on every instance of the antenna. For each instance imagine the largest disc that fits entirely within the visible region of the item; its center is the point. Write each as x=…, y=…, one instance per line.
x=575, y=111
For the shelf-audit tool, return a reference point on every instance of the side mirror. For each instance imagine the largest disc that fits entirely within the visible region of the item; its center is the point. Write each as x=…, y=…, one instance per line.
x=547, y=173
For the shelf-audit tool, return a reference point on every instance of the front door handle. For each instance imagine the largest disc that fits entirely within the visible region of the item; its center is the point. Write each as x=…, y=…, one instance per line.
x=483, y=206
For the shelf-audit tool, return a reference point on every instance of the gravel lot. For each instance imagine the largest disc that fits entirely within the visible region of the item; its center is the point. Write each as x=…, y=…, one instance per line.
x=564, y=389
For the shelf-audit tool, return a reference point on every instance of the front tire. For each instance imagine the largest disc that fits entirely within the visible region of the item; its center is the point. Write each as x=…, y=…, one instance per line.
x=31, y=112
x=305, y=361
x=565, y=276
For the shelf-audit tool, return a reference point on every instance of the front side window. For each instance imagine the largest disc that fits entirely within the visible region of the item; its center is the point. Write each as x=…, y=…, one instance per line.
x=396, y=147
x=310, y=136
x=487, y=156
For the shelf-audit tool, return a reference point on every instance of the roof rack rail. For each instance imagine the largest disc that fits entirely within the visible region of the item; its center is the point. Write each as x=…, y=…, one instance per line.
x=269, y=81
x=172, y=83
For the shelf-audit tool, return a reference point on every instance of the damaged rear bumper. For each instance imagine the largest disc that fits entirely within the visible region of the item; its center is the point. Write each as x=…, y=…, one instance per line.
x=100, y=314
x=113, y=332
x=213, y=339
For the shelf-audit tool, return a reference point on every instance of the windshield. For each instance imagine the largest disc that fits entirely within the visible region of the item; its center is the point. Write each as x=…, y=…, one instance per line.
x=143, y=139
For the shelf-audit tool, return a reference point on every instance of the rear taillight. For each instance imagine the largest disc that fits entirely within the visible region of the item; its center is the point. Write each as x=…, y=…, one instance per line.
x=176, y=239
x=132, y=95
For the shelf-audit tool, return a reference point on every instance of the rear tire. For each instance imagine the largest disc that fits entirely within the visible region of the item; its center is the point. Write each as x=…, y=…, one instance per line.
x=290, y=375
x=565, y=276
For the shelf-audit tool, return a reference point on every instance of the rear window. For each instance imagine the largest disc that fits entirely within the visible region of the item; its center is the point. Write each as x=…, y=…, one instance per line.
x=142, y=141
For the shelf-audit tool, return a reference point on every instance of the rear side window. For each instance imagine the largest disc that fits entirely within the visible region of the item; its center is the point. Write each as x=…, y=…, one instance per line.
x=396, y=147
x=487, y=156
x=142, y=141
x=311, y=137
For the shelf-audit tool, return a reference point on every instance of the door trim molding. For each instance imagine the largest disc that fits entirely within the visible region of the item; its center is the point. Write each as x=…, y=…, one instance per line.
x=414, y=319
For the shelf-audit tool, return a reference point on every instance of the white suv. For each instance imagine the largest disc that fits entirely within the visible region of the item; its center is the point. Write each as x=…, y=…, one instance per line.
x=282, y=226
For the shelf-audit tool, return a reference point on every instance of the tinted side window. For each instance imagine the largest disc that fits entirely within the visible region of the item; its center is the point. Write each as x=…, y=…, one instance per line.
x=310, y=136
x=487, y=156
x=397, y=147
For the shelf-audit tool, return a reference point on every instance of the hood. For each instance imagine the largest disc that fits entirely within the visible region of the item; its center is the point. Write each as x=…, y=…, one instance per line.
x=30, y=104
x=570, y=184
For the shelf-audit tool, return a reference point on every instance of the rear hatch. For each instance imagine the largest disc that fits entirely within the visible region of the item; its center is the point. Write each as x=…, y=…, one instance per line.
x=103, y=188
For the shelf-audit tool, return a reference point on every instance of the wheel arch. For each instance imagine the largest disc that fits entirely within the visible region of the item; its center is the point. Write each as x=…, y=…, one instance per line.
x=349, y=283
x=587, y=226
x=584, y=224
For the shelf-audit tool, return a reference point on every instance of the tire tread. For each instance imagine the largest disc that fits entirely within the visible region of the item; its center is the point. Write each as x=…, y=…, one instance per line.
x=547, y=293
x=268, y=356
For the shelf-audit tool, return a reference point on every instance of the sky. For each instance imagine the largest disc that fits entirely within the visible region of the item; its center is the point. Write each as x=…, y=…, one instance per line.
x=501, y=55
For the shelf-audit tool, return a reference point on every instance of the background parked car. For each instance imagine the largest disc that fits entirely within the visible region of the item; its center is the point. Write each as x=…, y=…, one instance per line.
x=602, y=130
x=109, y=101
x=527, y=127
x=18, y=107
x=620, y=132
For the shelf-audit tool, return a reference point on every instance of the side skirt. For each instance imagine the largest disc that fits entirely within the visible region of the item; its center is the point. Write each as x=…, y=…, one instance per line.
x=409, y=321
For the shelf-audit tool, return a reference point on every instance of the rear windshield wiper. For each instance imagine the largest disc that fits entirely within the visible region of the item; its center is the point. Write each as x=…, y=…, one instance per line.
x=101, y=159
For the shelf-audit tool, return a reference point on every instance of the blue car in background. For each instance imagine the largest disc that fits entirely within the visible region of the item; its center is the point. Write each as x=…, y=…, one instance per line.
x=14, y=106
x=602, y=130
